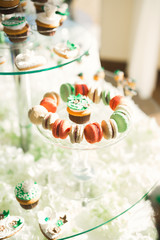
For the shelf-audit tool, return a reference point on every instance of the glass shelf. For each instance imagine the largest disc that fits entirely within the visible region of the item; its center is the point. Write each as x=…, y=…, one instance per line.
x=43, y=45
x=91, y=193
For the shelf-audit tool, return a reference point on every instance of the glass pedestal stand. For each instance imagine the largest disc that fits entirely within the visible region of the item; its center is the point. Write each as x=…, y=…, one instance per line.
x=84, y=177
x=85, y=180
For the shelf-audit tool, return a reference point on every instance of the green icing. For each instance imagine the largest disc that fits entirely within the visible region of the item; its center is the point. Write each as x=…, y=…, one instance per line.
x=87, y=53
x=117, y=72
x=34, y=191
x=66, y=13
x=79, y=102
x=46, y=219
x=70, y=45
x=80, y=74
x=19, y=222
x=5, y=213
x=101, y=69
x=14, y=21
x=59, y=223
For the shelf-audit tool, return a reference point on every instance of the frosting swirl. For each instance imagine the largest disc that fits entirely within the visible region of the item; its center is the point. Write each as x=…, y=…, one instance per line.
x=79, y=102
x=27, y=190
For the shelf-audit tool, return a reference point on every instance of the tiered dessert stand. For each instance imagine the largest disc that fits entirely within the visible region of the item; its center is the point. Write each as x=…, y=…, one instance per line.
x=81, y=178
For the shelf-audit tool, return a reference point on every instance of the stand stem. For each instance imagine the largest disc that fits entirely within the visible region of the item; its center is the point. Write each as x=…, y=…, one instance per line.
x=23, y=104
x=80, y=167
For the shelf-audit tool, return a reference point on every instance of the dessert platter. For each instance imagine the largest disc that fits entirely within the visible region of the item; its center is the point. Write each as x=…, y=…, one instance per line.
x=83, y=175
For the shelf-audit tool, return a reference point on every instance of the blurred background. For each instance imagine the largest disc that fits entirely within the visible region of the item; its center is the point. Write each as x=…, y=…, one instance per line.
x=128, y=36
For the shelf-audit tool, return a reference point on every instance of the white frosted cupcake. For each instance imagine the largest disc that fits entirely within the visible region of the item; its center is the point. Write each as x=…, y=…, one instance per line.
x=63, y=12
x=48, y=21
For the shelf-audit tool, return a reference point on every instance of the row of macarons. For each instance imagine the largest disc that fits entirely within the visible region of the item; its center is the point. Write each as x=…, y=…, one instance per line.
x=28, y=193
x=45, y=114
x=17, y=27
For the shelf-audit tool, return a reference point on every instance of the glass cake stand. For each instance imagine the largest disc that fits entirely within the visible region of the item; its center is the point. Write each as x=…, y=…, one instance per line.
x=41, y=45
x=86, y=178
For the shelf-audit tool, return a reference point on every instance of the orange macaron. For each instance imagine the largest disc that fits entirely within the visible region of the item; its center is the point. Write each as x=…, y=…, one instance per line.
x=115, y=101
x=93, y=132
x=50, y=104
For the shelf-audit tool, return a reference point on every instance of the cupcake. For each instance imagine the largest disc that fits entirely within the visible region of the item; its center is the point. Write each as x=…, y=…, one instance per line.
x=16, y=29
x=78, y=108
x=27, y=194
x=48, y=21
x=21, y=6
x=39, y=5
x=51, y=224
x=8, y=6
x=63, y=12
x=100, y=74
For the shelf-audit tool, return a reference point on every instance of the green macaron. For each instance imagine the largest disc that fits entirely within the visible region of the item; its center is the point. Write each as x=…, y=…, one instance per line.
x=121, y=119
x=66, y=90
x=106, y=97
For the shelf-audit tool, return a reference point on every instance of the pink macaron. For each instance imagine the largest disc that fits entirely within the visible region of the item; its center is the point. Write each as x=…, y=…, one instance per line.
x=61, y=128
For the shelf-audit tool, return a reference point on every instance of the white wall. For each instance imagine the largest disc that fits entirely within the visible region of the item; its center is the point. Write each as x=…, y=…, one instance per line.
x=114, y=17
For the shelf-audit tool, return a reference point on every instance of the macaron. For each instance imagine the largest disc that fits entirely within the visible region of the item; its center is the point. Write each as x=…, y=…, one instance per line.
x=36, y=114
x=115, y=101
x=50, y=104
x=81, y=89
x=121, y=119
x=125, y=109
x=109, y=128
x=49, y=119
x=76, y=134
x=27, y=194
x=53, y=95
x=106, y=96
x=66, y=90
x=93, y=132
x=95, y=95
x=61, y=128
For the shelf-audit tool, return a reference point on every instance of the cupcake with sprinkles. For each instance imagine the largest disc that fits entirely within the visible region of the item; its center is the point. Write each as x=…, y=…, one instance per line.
x=78, y=108
x=27, y=194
